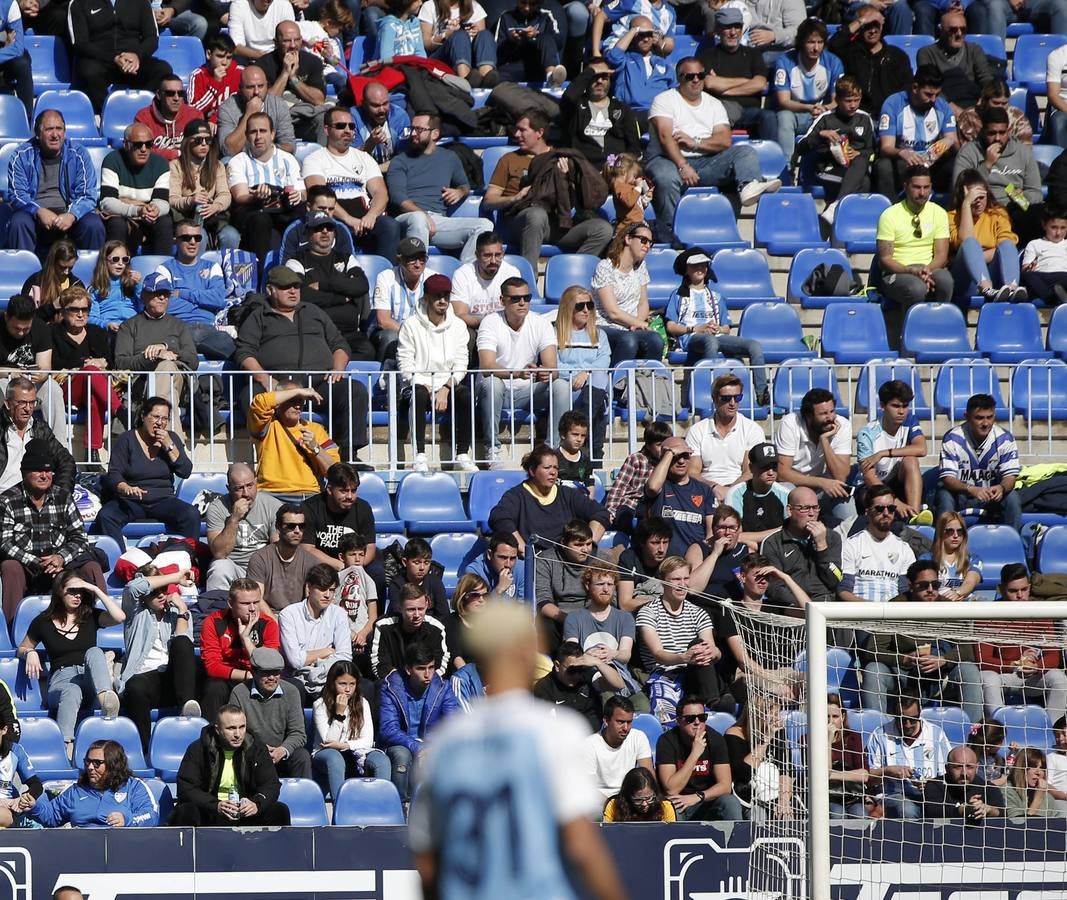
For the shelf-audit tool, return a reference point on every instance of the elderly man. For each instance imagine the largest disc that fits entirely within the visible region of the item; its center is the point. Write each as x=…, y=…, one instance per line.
x=964, y=64
x=52, y=190
x=595, y=122
x=238, y=524
x=166, y=117
x=19, y=426
x=41, y=532
x=805, y=550
x=252, y=98
x=135, y=194
x=295, y=75
x=381, y=125
x=738, y=76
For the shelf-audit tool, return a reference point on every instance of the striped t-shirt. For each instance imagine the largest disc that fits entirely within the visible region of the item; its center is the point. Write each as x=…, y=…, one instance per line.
x=676, y=631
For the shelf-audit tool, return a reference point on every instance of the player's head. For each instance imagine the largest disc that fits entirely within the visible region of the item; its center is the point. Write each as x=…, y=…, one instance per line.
x=503, y=642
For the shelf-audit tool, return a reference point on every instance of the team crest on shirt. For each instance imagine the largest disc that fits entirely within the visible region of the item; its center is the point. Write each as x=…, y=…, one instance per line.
x=120, y=797
x=698, y=501
x=859, y=129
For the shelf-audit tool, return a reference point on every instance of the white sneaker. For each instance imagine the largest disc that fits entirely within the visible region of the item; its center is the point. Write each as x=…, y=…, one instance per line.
x=829, y=213
x=464, y=463
x=421, y=463
x=752, y=191
x=556, y=76
x=109, y=704
x=497, y=459
x=191, y=709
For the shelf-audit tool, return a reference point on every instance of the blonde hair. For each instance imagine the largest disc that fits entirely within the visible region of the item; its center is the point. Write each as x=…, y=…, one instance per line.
x=464, y=586
x=670, y=565
x=564, y=317
x=620, y=165
x=963, y=559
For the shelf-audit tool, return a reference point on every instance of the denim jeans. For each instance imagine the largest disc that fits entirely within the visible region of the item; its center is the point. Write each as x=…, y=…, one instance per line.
x=458, y=49
x=331, y=768
x=879, y=683
x=403, y=771
x=900, y=800
x=1055, y=132
x=190, y=23
x=710, y=346
x=994, y=16
x=214, y=344
x=790, y=124
x=1009, y=510
x=969, y=266
x=496, y=394
x=73, y=687
x=452, y=232
x=854, y=809
x=576, y=16
x=626, y=344
x=1048, y=687
x=726, y=808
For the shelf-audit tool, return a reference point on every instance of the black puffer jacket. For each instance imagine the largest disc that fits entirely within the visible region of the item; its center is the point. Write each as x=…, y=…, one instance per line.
x=201, y=771
x=61, y=458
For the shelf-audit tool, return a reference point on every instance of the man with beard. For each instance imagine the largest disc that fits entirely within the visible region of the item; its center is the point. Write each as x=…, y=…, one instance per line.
x=738, y=76
x=476, y=284
x=380, y=125
x=595, y=122
x=880, y=68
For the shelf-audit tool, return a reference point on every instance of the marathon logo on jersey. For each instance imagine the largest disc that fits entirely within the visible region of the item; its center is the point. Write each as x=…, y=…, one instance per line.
x=681, y=515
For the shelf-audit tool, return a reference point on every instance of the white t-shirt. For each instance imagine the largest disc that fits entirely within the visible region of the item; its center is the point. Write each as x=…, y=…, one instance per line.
x=791, y=439
x=723, y=457
x=609, y=765
x=1051, y=257
x=250, y=29
x=515, y=349
x=482, y=297
x=1057, y=774
x=1056, y=69
x=626, y=285
x=428, y=14
x=347, y=175
x=876, y=567
x=281, y=170
x=697, y=121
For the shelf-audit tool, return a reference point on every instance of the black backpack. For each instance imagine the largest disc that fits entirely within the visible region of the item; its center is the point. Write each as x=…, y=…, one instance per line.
x=832, y=281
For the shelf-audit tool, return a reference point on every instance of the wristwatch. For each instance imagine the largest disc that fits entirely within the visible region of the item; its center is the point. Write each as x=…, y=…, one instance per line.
x=184, y=615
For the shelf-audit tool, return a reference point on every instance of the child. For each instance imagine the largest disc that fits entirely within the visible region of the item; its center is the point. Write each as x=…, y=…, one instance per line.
x=324, y=39
x=417, y=557
x=219, y=77
x=1044, y=262
x=889, y=450
x=357, y=594
x=629, y=190
x=841, y=142
x=16, y=772
x=986, y=740
x=574, y=462
x=627, y=489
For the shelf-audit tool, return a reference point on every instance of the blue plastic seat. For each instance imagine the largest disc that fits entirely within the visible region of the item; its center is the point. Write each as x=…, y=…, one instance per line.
x=470, y=207
x=684, y=45
x=772, y=161
x=490, y=157
x=485, y=490
x=147, y=263
x=787, y=223
x=743, y=277
x=28, y=609
x=429, y=503
x=442, y=265
x=119, y=109
x=910, y=44
x=958, y=379
x=171, y=737
x=1052, y=550
x=1027, y=102
x=795, y=723
x=164, y=798
x=43, y=742
x=452, y=551
x=14, y=125
x=703, y=377
x=1010, y=333
x=838, y=664
x=1027, y=726
x=526, y=271
x=119, y=729
x=49, y=62
x=372, y=265
x=373, y=490
x=878, y=371
x=991, y=45
x=652, y=729
x=795, y=377
x=184, y=53
x=866, y=722
x=952, y=720
x=804, y=263
x=995, y=546
x=1045, y=155
x=662, y=280
x=935, y=332
x=567, y=269
x=721, y=721
x=1056, y=335
x=6, y=152
x=777, y=327
x=368, y=801
x=1039, y=390
x=657, y=369
x=307, y=806
x=707, y=220
x=1028, y=61
x=15, y=267
x=356, y=54
x=856, y=221
x=194, y=484
x=854, y=333
x=368, y=373
x=26, y=691
x=77, y=114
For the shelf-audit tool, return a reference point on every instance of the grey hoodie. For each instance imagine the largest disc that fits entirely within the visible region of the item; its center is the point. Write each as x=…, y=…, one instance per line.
x=1016, y=166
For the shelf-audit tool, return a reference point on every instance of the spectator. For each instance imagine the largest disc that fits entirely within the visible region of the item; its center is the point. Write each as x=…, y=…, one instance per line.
x=400, y=32
x=737, y=75
x=335, y=511
x=469, y=601
x=238, y=524
x=959, y=570
x=817, y=565
x=357, y=595
x=228, y=759
x=416, y=562
x=1056, y=85
x=620, y=287
x=456, y=34
x=115, y=287
x=639, y=800
x=672, y=493
x=963, y=64
x=1057, y=764
x=640, y=76
x=279, y=569
x=1044, y=261
x=875, y=561
x=296, y=75
x=804, y=82
x=500, y=567
x=628, y=486
x=413, y=702
x=19, y=426
x=424, y=182
x=889, y=450
x=961, y=792
x=528, y=43
x=477, y=285
x=880, y=68
x=907, y=753
x=659, y=16
x=14, y=812
x=273, y=711
x=432, y=358
x=343, y=743
x=253, y=23
x=218, y=79
x=79, y=675
x=140, y=477
x=517, y=358
x=115, y=45
x=942, y=670
x=715, y=560
x=1028, y=793
x=14, y=60
x=26, y=354
x=558, y=575
x=639, y=563
x=994, y=16
x=167, y=116
x=848, y=764
x=583, y=357
x=52, y=190
x=227, y=639
x=690, y=145
x=252, y=99
x=761, y=500
x=381, y=125
x=980, y=462
x=135, y=194
x=411, y=624
x=913, y=242
x=529, y=218
x=42, y=532
x=154, y=341
x=320, y=199
x=916, y=128
x=159, y=667
x=631, y=193
x=995, y=95
x=774, y=27
x=593, y=120
x=55, y=276
x=575, y=466
x=200, y=188
x=987, y=741
x=115, y=798
x=619, y=747
x=577, y=681
x=363, y=196
x=397, y=292
x=694, y=767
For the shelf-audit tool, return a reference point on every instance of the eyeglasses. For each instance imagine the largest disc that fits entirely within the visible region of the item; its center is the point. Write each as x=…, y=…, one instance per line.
x=584, y=304
x=642, y=801
x=917, y=227
x=195, y=238
x=292, y=526
x=23, y=404
x=807, y=507
x=696, y=717
x=91, y=763
x=418, y=129
x=177, y=93
x=957, y=531
x=645, y=241
x=200, y=141
x=160, y=419
x=343, y=126
x=118, y=259
x=138, y=145
x=80, y=310
x=909, y=720
x=730, y=398
x=519, y=298
x=693, y=76
x=882, y=508
x=727, y=526
x=926, y=585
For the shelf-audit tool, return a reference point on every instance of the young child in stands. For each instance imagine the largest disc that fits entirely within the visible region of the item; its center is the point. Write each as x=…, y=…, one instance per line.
x=574, y=463
x=325, y=38
x=212, y=84
x=629, y=190
x=987, y=740
x=1044, y=262
x=357, y=594
x=417, y=559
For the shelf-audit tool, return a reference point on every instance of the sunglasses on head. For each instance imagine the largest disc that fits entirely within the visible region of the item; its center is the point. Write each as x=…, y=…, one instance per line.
x=695, y=717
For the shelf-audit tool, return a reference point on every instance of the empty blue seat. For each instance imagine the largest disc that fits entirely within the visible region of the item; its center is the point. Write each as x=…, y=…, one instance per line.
x=856, y=221
x=452, y=551
x=429, y=503
x=28, y=609
x=800, y=269
x=707, y=220
x=119, y=729
x=147, y=263
x=443, y=265
x=935, y=332
x=1030, y=57
x=14, y=125
x=991, y=45
x=307, y=806
x=184, y=53
x=526, y=271
x=1045, y=155
x=795, y=377
x=1027, y=102
x=368, y=373
x=995, y=546
x=6, y=152
x=164, y=798
x=356, y=54
x=171, y=737
x=743, y=277
x=1057, y=332
x=953, y=721
x=662, y=280
x=119, y=109
x=43, y=742
x=192, y=486
x=877, y=372
x=787, y=223
x=772, y=161
x=1027, y=726
x=567, y=269
x=652, y=729
x=490, y=157
x=684, y=45
x=372, y=265
x=958, y=379
x=910, y=44
x=373, y=490
x=470, y=206
x=77, y=113
x=368, y=801
x=1039, y=390
x=49, y=61
x=777, y=327
x=1010, y=333
x=866, y=722
x=838, y=664
x=25, y=691
x=1052, y=550
x=703, y=377
x=485, y=490
x=854, y=333
x=15, y=267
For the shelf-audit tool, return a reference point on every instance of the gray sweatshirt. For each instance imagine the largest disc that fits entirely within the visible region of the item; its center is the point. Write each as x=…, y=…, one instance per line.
x=135, y=334
x=1016, y=166
x=277, y=720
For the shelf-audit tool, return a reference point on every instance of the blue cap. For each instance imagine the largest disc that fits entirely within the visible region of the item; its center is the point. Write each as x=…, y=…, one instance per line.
x=156, y=283
x=729, y=15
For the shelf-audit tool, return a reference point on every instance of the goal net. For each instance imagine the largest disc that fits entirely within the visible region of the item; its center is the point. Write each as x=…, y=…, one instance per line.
x=915, y=757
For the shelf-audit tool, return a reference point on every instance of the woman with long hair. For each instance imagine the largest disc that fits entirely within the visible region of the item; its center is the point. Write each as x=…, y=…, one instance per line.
x=848, y=763
x=199, y=187
x=54, y=277
x=620, y=286
x=469, y=599
x=639, y=800
x=1027, y=792
x=400, y=33
x=996, y=95
x=115, y=288
x=985, y=253
x=343, y=744
x=583, y=357
x=958, y=570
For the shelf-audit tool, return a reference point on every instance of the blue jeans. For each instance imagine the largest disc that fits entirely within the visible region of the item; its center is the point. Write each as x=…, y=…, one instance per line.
x=176, y=516
x=855, y=809
x=901, y=801
x=228, y=238
x=1009, y=510
x=452, y=232
x=24, y=233
x=458, y=49
x=369, y=20
x=710, y=346
x=331, y=768
x=214, y=344
x=626, y=344
x=74, y=687
x=576, y=15
x=496, y=394
x=189, y=23
x=879, y=683
x=969, y=266
x=994, y=16
x=403, y=772
x=790, y=124
x=1055, y=132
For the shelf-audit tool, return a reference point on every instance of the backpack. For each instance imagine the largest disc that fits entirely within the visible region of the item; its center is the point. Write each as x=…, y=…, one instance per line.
x=652, y=392
x=832, y=281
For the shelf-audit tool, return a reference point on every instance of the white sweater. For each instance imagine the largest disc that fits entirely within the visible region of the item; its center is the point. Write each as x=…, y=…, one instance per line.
x=428, y=354
x=329, y=729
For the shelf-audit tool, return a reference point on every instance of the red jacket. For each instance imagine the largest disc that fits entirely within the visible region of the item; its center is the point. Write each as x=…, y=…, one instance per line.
x=207, y=94
x=221, y=649
x=166, y=136
x=1003, y=657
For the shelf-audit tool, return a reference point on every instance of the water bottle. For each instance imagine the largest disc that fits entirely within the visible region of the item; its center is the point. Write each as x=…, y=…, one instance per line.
x=235, y=798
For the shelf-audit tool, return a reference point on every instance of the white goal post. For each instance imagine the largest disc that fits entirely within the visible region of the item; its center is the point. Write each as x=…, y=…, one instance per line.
x=818, y=617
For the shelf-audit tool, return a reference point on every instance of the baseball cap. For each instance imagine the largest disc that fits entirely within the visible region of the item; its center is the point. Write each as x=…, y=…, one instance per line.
x=438, y=284
x=320, y=218
x=156, y=283
x=410, y=247
x=763, y=456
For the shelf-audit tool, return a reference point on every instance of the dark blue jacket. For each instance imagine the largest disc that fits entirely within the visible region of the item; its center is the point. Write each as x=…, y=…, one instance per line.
x=440, y=702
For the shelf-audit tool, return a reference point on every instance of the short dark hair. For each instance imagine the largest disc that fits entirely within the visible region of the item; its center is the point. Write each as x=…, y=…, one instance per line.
x=20, y=308
x=895, y=390
x=419, y=653
x=328, y=118
x=502, y=537
x=435, y=119
x=411, y=591
x=573, y=418
x=656, y=432
x=320, y=190
x=568, y=650
x=812, y=399
x=287, y=509
x=920, y=565
x=514, y=282
x=417, y=548
x=352, y=540
x=230, y=709
x=342, y=474
x=1013, y=572
x=928, y=76
x=916, y=171
x=656, y=526
x=873, y=493
x=683, y=61
x=576, y=530
x=220, y=41
x=321, y=576
x=689, y=700
x=615, y=702
x=536, y=456
x=978, y=402
x=486, y=238
x=537, y=119
x=723, y=511
x=994, y=115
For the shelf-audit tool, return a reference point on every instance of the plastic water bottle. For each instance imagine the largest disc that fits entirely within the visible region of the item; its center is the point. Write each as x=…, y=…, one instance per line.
x=235, y=798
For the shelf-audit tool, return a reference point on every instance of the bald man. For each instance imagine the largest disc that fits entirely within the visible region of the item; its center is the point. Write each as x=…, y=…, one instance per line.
x=296, y=76
x=805, y=549
x=962, y=792
x=135, y=195
x=380, y=125
x=238, y=524
x=66, y=892
x=253, y=97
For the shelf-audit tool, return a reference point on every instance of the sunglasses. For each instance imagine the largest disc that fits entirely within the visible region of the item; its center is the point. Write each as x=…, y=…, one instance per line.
x=80, y=310
x=693, y=76
x=323, y=227
x=645, y=241
x=118, y=259
x=881, y=508
x=173, y=93
x=917, y=227
x=956, y=29
x=343, y=126
x=730, y=398
x=697, y=717
x=292, y=526
x=926, y=585
x=93, y=763
x=195, y=238
x=519, y=298
x=959, y=531
x=585, y=304
x=200, y=141
x=138, y=145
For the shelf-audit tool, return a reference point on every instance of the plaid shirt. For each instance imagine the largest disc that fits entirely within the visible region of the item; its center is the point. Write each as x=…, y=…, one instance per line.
x=29, y=533
x=628, y=487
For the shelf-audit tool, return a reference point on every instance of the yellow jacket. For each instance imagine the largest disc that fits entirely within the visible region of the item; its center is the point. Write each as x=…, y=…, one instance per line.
x=284, y=468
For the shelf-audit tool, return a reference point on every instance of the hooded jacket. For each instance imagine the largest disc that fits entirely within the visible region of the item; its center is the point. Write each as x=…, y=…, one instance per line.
x=439, y=703
x=429, y=355
x=62, y=461
x=166, y=134
x=77, y=178
x=201, y=771
x=1016, y=166
x=141, y=628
